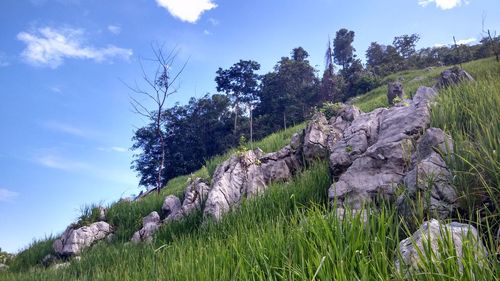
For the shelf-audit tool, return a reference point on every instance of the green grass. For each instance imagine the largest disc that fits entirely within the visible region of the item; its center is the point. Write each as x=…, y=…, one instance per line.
x=290, y=232
x=413, y=79
x=287, y=234
x=470, y=113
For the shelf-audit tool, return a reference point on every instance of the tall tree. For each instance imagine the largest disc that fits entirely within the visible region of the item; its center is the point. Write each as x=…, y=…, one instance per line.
x=343, y=51
x=405, y=44
x=241, y=84
x=160, y=87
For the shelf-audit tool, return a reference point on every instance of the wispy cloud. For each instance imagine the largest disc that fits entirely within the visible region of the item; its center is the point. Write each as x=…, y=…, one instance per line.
x=459, y=42
x=443, y=4
x=115, y=29
x=69, y=129
x=187, y=10
x=206, y=32
x=113, y=148
x=3, y=60
x=60, y=163
x=50, y=47
x=213, y=21
x=7, y=195
x=55, y=160
x=466, y=41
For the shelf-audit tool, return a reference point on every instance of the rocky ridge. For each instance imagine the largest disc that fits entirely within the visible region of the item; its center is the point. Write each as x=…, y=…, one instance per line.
x=387, y=155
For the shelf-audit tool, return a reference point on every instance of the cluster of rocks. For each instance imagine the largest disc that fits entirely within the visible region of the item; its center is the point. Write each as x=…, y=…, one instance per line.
x=385, y=149
x=371, y=155
x=195, y=196
x=74, y=240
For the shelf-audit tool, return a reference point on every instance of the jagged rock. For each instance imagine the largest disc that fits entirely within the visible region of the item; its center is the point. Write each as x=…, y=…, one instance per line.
x=340, y=122
x=150, y=224
x=429, y=178
x=375, y=151
x=354, y=140
x=171, y=206
x=195, y=195
x=316, y=138
x=395, y=90
x=453, y=76
x=239, y=176
x=280, y=165
x=427, y=238
x=73, y=241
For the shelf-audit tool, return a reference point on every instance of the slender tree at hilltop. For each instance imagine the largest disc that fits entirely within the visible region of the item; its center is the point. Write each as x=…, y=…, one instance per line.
x=241, y=85
x=160, y=85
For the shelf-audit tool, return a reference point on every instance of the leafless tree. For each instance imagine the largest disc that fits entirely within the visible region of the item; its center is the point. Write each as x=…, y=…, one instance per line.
x=159, y=86
x=492, y=40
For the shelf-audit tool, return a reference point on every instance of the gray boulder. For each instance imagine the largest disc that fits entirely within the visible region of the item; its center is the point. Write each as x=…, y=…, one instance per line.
x=171, y=206
x=429, y=182
x=427, y=239
x=195, y=195
x=73, y=241
x=280, y=165
x=237, y=177
x=375, y=152
x=150, y=224
x=3, y=267
x=453, y=76
x=316, y=138
x=395, y=90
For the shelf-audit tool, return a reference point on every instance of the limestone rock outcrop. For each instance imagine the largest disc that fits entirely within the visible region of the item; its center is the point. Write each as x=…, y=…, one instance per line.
x=395, y=90
x=150, y=224
x=195, y=195
x=74, y=240
x=429, y=181
x=375, y=152
x=171, y=206
x=316, y=138
x=428, y=238
x=235, y=178
x=453, y=76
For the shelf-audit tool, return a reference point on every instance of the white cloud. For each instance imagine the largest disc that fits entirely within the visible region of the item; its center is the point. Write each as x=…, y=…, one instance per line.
x=443, y=4
x=206, y=32
x=3, y=60
x=119, y=149
x=213, y=21
x=466, y=41
x=115, y=29
x=7, y=195
x=187, y=10
x=56, y=162
x=69, y=129
x=113, y=148
x=49, y=47
x=459, y=42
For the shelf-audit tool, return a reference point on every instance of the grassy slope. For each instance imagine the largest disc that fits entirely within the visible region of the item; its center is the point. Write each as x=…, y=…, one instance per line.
x=287, y=233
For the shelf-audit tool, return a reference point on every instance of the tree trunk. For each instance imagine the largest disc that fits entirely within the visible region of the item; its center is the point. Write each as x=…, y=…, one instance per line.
x=284, y=119
x=162, y=156
x=251, y=126
x=236, y=109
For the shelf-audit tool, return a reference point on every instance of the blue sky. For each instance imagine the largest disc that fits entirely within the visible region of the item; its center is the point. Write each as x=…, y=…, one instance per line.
x=65, y=117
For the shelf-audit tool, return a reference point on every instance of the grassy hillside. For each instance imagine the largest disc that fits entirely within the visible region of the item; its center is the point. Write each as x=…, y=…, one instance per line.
x=290, y=233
